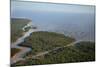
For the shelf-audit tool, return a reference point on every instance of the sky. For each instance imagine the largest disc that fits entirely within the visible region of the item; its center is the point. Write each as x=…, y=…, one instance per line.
x=36, y=6
x=86, y=2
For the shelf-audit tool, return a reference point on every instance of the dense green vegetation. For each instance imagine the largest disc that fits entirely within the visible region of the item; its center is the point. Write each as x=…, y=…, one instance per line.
x=88, y=47
x=44, y=41
x=65, y=55
x=16, y=27
x=14, y=51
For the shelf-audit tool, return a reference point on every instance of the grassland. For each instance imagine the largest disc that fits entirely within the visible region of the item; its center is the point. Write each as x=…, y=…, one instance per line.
x=14, y=51
x=16, y=27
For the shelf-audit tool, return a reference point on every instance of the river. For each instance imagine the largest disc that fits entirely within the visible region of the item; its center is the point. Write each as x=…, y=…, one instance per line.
x=76, y=21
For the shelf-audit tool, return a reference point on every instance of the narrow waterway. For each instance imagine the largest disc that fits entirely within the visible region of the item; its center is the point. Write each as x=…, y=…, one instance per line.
x=23, y=50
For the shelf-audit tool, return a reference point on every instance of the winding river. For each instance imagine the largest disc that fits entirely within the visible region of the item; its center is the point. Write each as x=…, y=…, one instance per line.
x=76, y=21
x=23, y=50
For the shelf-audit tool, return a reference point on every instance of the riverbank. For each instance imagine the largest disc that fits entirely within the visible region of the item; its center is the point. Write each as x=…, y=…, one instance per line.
x=66, y=54
x=21, y=27
x=42, y=47
x=46, y=46
x=16, y=27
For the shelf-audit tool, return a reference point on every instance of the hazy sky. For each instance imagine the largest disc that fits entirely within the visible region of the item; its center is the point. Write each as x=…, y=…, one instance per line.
x=86, y=2
x=33, y=6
